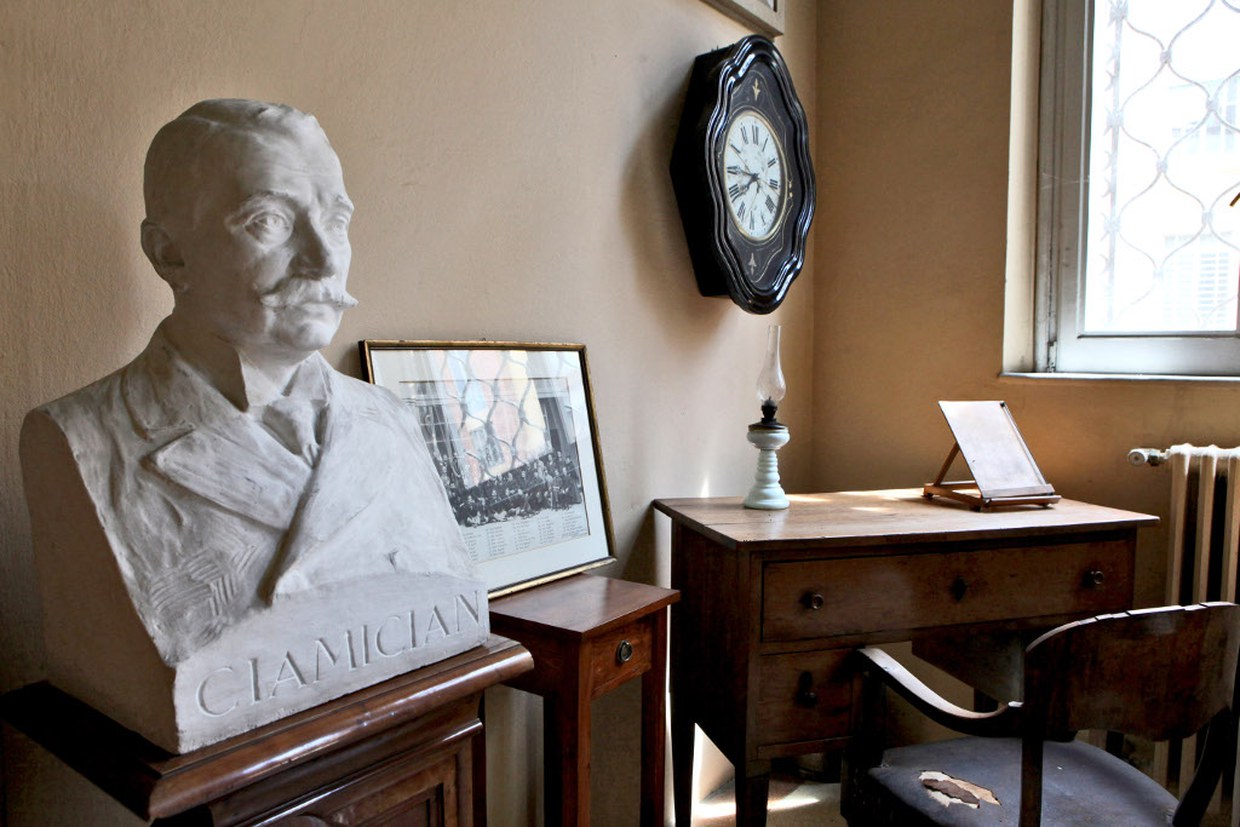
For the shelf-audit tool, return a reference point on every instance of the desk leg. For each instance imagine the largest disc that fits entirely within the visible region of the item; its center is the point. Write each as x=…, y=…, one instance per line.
x=566, y=743
x=681, y=684
x=752, y=792
x=682, y=759
x=654, y=690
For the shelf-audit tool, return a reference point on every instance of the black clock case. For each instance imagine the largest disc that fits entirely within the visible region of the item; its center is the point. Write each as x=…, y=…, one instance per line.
x=715, y=247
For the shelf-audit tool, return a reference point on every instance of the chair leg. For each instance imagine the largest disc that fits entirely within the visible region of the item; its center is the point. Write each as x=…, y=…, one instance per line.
x=1031, y=780
x=1219, y=740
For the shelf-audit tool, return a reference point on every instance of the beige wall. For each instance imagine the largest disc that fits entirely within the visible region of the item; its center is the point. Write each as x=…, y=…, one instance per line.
x=509, y=164
x=913, y=112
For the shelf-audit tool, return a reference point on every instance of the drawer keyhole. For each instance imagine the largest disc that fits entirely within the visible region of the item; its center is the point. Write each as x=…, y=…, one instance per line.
x=958, y=588
x=624, y=652
x=813, y=601
x=806, y=696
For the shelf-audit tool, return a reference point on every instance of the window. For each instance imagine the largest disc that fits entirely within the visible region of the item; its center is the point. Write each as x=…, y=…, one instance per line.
x=1139, y=159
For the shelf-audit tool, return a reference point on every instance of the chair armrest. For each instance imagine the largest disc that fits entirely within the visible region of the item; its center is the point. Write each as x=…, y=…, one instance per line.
x=1004, y=721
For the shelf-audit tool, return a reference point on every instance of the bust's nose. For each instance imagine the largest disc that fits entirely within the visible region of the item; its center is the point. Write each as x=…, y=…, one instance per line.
x=318, y=257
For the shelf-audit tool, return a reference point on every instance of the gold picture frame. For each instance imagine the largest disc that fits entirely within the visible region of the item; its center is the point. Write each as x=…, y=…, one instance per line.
x=765, y=17
x=511, y=429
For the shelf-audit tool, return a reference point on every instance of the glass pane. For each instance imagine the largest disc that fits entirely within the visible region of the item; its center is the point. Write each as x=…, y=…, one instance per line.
x=1163, y=245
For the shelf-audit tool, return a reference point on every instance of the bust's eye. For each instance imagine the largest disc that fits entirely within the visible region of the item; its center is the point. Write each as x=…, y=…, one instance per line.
x=337, y=225
x=269, y=226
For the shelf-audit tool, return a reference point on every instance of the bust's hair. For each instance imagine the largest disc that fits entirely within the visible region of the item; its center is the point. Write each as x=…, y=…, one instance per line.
x=174, y=162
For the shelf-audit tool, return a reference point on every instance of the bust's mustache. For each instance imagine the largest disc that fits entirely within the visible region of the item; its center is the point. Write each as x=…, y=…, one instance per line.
x=298, y=291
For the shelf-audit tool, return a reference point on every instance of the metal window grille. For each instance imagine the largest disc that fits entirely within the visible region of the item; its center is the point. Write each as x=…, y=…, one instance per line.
x=1164, y=250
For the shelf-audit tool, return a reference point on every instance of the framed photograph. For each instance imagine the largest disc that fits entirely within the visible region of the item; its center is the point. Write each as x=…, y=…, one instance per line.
x=511, y=429
x=765, y=17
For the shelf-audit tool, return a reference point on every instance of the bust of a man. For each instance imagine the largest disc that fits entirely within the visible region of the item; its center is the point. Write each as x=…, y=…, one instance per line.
x=233, y=486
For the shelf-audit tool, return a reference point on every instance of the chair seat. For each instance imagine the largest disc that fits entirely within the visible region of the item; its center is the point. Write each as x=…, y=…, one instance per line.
x=1082, y=785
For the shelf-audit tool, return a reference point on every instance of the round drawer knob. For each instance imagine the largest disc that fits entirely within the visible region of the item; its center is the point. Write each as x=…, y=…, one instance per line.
x=624, y=652
x=958, y=588
x=806, y=696
x=1094, y=577
x=813, y=601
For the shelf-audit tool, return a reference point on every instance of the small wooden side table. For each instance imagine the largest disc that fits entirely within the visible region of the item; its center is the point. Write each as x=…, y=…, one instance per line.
x=588, y=635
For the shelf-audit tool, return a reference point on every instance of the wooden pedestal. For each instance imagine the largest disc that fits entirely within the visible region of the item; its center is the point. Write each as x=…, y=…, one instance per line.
x=409, y=750
x=590, y=634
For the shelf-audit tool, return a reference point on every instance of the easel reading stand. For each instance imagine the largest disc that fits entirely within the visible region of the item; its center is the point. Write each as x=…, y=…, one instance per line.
x=1004, y=472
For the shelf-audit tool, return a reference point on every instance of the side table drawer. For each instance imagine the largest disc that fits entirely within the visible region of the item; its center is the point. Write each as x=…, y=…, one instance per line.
x=808, y=599
x=804, y=696
x=619, y=655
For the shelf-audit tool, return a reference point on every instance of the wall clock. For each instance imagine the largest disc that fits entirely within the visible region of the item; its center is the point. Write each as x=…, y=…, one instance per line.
x=742, y=174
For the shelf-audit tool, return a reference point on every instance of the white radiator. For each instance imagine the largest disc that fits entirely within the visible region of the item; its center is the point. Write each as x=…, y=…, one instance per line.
x=1203, y=547
x=1203, y=527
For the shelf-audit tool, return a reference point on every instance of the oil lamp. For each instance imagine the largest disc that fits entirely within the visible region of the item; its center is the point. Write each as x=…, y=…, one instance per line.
x=768, y=435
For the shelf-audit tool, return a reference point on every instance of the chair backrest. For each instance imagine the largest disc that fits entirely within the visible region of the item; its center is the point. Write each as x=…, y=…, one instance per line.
x=1155, y=673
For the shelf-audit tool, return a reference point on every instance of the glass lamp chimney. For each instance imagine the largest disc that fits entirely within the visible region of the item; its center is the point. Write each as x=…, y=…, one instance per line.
x=771, y=387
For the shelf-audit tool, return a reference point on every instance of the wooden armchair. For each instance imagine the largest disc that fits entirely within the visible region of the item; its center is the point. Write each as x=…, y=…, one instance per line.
x=1156, y=673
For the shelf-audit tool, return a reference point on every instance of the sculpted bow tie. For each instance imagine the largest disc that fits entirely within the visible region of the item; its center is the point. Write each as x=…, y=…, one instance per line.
x=295, y=422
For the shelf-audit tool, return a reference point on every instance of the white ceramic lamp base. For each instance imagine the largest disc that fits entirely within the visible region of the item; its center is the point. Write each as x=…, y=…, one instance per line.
x=766, y=492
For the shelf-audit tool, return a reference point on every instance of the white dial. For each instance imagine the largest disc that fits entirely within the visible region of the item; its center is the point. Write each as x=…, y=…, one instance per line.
x=753, y=167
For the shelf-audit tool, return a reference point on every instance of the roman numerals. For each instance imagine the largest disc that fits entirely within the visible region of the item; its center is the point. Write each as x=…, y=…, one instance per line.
x=753, y=172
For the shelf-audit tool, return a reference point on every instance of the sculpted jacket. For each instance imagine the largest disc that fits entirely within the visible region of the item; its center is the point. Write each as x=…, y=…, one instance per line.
x=210, y=516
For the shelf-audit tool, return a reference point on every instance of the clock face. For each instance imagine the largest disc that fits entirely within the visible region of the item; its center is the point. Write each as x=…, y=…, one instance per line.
x=753, y=171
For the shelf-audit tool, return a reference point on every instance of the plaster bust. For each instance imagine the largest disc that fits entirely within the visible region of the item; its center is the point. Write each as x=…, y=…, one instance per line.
x=228, y=469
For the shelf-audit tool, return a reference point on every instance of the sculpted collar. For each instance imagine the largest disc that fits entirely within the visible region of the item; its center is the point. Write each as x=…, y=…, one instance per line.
x=167, y=395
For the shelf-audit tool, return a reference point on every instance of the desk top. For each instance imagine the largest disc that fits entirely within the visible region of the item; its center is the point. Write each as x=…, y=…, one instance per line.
x=853, y=518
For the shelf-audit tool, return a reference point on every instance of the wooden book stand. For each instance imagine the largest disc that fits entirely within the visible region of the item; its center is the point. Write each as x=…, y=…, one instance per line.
x=1004, y=472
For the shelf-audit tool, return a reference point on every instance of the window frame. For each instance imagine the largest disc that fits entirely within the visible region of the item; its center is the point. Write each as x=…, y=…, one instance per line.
x=1060, y=346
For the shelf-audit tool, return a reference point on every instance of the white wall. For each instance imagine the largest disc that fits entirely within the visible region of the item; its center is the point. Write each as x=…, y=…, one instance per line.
x=509, y=165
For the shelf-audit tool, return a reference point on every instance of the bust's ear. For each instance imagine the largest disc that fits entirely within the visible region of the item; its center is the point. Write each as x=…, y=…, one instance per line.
x=163, y=253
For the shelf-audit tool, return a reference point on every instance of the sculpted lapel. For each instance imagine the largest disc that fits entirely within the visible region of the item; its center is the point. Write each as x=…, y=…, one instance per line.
x=225, y=457
x=384, y=516
x=206, y=462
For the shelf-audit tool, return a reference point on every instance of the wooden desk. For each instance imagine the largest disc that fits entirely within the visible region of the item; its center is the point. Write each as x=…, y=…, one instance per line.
x=588, y=635
x=410, y=750
x=772, y=603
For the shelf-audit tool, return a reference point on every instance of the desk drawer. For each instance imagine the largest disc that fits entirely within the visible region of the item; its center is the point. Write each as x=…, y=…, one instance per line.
x=806, y=696
x=903, y=592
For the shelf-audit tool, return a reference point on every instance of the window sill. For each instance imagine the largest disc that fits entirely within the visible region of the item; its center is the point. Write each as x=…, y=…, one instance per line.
x=1016, y=377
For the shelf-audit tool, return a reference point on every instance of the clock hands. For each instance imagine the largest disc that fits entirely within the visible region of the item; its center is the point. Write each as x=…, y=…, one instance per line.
x=743, y=190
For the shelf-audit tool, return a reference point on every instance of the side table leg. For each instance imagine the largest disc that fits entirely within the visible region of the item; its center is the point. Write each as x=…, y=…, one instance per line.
x=654, y=691
x=566, y=744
